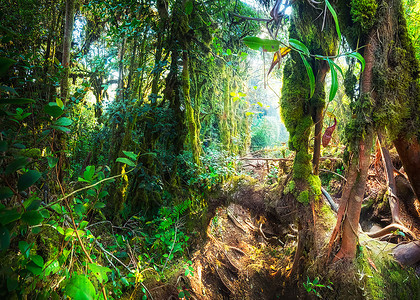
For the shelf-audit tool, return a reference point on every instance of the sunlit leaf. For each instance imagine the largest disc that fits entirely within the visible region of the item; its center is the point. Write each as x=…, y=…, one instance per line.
x=359, y=57
x=298, y=45
x=51, y=267
x=310, y=75
x=53, y=109
x=100, y=272
x=131, y=155
x=126, y=161
x=79, y=287
x=59, y=103
x=257, y=43
x=337, y=26
x=63, y=121
x=52, y=161
x=337, y=67
x=334, y=81
x=88, y=174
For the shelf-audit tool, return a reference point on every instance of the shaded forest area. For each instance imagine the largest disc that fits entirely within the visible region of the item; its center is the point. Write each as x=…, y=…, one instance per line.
x=186, y=149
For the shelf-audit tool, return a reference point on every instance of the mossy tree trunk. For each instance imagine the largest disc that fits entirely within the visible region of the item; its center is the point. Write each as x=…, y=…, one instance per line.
x=389, y=84
x=299, y=112
x=64, y=86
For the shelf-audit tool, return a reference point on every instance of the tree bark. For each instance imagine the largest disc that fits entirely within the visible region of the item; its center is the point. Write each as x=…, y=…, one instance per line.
x=409, y=152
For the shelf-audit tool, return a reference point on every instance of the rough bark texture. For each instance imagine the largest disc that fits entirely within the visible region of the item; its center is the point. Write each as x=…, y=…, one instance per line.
x=409, y=152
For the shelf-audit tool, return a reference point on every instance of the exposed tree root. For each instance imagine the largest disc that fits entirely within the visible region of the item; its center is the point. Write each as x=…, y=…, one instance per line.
x=389, y=229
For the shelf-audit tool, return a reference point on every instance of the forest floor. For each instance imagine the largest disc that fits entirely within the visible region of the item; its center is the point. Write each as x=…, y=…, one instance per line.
x=248, y=253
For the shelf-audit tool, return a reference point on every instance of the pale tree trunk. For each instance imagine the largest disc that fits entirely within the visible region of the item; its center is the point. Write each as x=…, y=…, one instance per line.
x=65, y=62
x=64, y=88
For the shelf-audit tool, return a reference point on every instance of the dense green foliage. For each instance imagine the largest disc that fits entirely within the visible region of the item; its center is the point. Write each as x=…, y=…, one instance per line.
x=108, y=163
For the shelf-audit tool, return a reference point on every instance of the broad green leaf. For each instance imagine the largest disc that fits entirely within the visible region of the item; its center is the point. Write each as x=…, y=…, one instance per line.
x=189, y=7
x=260, y=104
x=16, y=101
x=38, y=260
x=53, y=110
x=61, y=128
x=334, y=82
x=28, y=179
x=63, y=121
x=16, y=164
x=126, y=161
x=88, y=174
x=35, y=269
x=51, y=267
x=32, y=217
x=131, y=155
x=298, y=45
x=99, y=205
x=233, y=94
x=4, y=238
x=99, y=272
x=9, y=215
x=5, y=64
x=337, y=26
x=34, y=205
x=52, y=161
x=310, y=75
x=359, y=57
x=24, y=248
x=228, y=52
x=5, y=192
x=103, y=194
x=91, y=192
x=248, y=113
x=59, y=103
x=256, y=43
x=125, y=281
x=79, y=287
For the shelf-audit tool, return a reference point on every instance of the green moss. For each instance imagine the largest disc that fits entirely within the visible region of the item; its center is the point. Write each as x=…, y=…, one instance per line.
x=363, y=13
x=303, y=197
x=32, y=153
x=290, y=187
x=389, y=280
x=314, y=186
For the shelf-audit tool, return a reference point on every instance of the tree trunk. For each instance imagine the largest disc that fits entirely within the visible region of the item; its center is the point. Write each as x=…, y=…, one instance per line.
x=65, y=62
x=409, y=152
x=64, y=89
